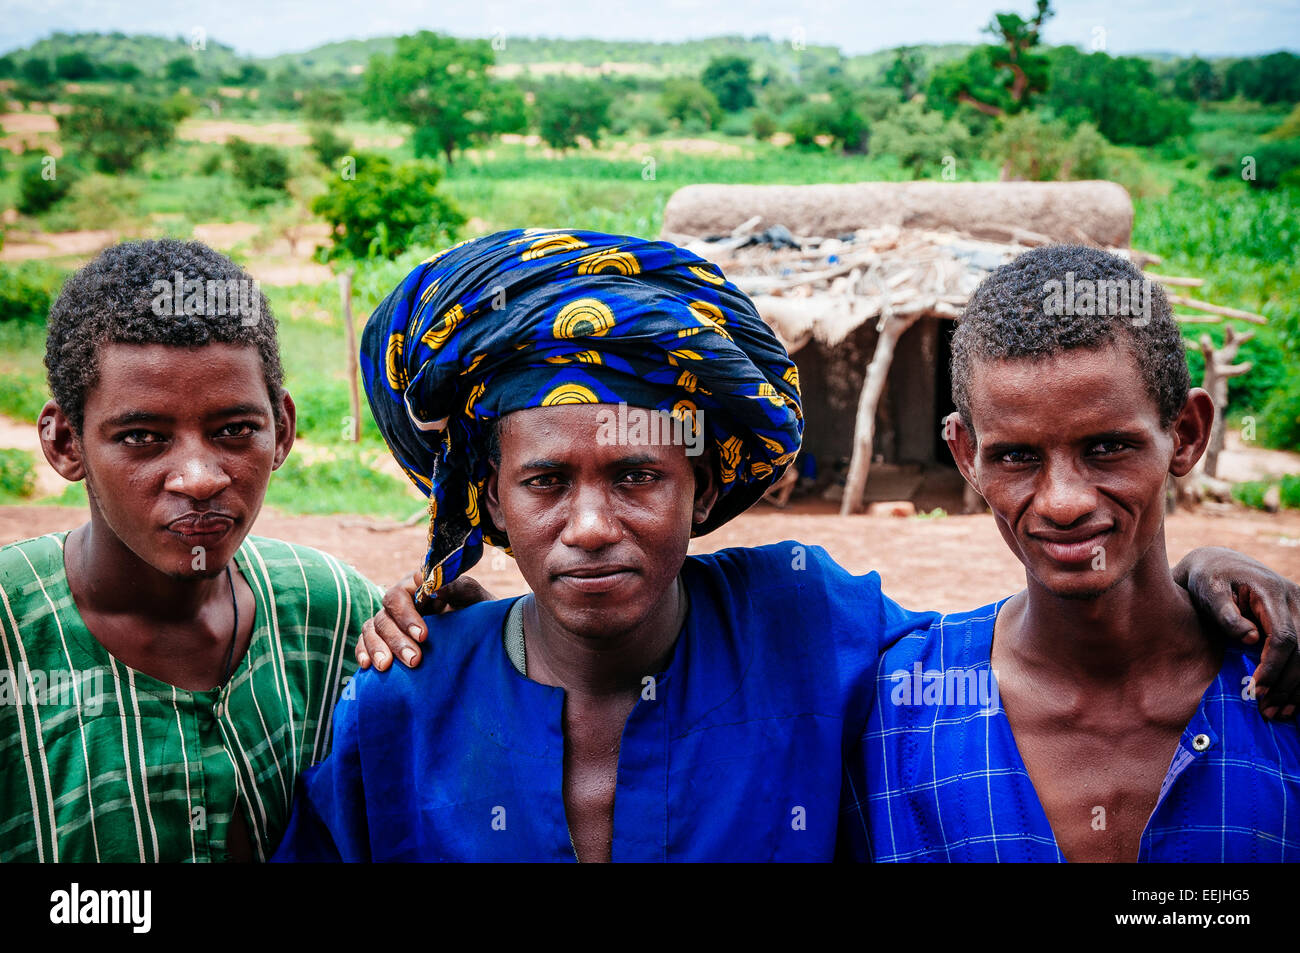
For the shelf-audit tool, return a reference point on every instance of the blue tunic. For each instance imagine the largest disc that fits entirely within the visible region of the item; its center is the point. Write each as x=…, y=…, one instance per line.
x=736, y=754
x=946, y=781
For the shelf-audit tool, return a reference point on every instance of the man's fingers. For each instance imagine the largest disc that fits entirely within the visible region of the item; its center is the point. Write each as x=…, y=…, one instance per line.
x=362, y=656
x=1285, y=693
x=380, y=657
x=400, y=609
x=398, y=642
x=1218, y=596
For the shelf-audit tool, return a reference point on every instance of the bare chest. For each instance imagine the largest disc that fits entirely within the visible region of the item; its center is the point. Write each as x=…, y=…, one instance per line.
x=592, y=736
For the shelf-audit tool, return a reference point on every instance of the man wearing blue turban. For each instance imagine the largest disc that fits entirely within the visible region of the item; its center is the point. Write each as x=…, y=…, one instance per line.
x=589, y=403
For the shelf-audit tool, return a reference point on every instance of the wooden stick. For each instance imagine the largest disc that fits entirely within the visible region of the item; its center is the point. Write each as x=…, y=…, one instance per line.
x=1218, y=309
x=1177, y=280
x=345, y=291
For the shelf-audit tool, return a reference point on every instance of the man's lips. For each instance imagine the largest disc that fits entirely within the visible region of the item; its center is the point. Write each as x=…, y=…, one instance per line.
x=594, y=579
x=201, y=527
x=1074, y=546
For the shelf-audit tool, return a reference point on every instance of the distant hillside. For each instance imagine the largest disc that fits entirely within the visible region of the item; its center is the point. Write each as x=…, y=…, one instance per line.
x=150, y=53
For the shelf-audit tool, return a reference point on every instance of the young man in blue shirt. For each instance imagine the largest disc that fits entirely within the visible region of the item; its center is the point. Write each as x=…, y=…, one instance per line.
x=1088, y=717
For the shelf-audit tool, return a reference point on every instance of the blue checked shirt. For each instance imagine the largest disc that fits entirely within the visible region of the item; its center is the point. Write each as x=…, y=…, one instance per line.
x=938, y=776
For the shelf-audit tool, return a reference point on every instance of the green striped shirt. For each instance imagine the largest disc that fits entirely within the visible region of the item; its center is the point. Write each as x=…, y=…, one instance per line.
x=99, y=762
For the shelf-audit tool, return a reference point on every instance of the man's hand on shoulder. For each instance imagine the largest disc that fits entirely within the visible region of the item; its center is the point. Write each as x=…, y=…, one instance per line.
x=1249, y=600
x=398, y=629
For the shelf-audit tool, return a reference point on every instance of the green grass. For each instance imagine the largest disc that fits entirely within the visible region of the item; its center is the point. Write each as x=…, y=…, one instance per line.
x=17, y=476
x=1252, y=493
x=348, y=483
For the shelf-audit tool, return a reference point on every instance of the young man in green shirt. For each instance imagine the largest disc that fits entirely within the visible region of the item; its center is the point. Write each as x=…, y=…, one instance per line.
x=166, y=676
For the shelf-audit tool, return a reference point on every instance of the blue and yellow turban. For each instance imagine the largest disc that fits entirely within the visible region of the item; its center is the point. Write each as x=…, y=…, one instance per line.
x=539, y=317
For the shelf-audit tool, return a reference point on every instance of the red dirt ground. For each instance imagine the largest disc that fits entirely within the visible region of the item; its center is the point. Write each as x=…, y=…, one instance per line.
x=954, y=563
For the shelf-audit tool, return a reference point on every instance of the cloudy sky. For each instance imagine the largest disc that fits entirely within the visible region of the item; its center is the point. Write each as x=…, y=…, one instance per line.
x=1207, y=27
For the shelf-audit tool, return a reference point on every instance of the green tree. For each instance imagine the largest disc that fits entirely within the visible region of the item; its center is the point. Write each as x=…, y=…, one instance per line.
x=74, y=66
x=181, y=69
x=323, y=105
x=258, y=166
x=998, y=79
x=904, y=73
x=37, y=72
x=328, y=145
x=919, y=138
x=116, y=130
x=686, y=99
x=384, y=208
x=1120, y=95
x=1196, y=81
x=42, y=183
x=730, y=81
x=569, y=108
x=441, y=86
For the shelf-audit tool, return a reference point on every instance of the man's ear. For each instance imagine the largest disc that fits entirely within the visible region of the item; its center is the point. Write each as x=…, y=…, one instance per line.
x=491, y=499
x=1191, y=431
x=961, y=444
x=59, y=443
x=286, y=428
x=707, y=486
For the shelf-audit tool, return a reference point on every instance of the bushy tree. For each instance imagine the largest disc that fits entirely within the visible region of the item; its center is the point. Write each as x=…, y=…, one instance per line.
x=258, y=166
x=385, y=208
x=730, y=81
x=1120, y=95
x=1030, y=147
x=328, y=145
x=441, y=86
x=686, y=99
x=42, y=183
x=919, y=138
x=74, y=66
x=569, y=108
x=116, y=130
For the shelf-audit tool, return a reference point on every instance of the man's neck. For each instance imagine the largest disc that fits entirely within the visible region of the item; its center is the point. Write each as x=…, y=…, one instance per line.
x=107, y=578
x=1127, y=631
x=616, y=664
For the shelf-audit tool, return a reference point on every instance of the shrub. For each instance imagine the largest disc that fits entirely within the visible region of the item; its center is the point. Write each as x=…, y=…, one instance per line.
x=258, y=166
x=17, y=474
x=384, y=208
x=43, y=182
x=117, y=129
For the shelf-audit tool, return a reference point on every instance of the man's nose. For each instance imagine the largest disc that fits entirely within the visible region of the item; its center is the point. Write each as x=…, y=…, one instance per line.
x=1064, y=495
x=591, y=522
x=197, y=474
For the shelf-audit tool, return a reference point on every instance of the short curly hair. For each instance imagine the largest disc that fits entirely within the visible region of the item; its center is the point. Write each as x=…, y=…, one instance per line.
x=1025, y=310
x=117, y=299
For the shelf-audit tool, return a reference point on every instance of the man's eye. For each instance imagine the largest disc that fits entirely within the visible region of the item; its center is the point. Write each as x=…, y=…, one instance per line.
x=544, y=481
x=139, y=438
x=1016, y=457
x=640, y=476
x=1104, y=447
x=241, y=429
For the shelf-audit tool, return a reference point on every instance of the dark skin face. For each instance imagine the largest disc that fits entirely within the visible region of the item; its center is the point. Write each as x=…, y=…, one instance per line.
x=600, y=533
x=1102, y=660
x=176, y=448
x=1060, y=484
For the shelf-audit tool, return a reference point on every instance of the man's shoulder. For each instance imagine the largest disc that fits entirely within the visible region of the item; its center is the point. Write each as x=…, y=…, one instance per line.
x=953, y=638
x=29, y=561
x=294, y=567
x=460, y=647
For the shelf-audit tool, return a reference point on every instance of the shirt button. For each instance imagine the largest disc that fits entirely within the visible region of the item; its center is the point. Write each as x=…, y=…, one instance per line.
x=218, y=709
x=1201, y=742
